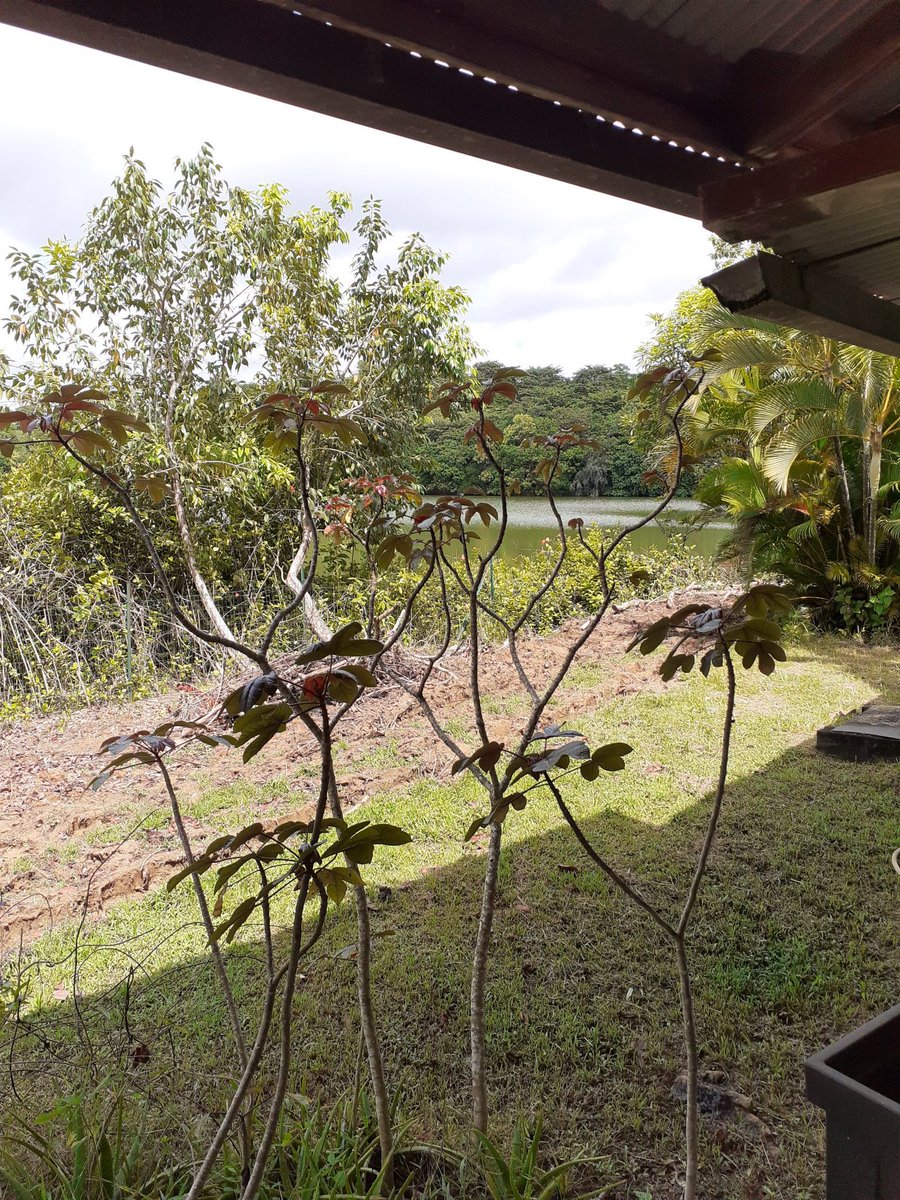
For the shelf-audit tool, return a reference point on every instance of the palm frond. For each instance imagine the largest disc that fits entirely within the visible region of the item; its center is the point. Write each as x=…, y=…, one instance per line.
x=780, y=400
x=783, y=452
x=718, y=320
x=743, y=351
x=890, y=479
x=805, y=531
x=736, y=484
x=837, y=572
x=889, y=525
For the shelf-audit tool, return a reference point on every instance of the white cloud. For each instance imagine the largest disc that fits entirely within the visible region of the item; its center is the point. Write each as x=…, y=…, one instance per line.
x=557, y=274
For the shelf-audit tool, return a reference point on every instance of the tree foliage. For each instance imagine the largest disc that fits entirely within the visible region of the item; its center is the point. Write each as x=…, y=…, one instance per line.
x=187, y=303
x=796, y=440
x=546, y=400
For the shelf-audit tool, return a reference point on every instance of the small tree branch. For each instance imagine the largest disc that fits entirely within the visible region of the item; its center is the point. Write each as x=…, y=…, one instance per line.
x=619, y=880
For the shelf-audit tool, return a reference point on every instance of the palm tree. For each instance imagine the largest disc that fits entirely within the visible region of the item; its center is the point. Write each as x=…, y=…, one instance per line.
x=801, y=437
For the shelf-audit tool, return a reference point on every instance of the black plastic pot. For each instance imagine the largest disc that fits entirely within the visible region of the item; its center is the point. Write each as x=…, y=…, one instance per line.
x=857, y=1082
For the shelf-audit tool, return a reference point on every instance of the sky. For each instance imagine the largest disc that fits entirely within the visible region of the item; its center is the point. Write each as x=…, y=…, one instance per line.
x=558, y=275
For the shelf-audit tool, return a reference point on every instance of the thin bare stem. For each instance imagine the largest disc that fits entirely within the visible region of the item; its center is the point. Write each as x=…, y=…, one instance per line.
x=479, y=973
x=368, y=1025
x=691, y=1120
x=713, y=824
x=206, y=917
x=618, y=879
x=298, y=949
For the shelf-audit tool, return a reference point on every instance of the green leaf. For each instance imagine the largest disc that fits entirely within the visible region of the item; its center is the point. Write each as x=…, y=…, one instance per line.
x=774, y=650
x=359, y=841
x=478, y=823
x=288, y=828
x=675, y=663
x=351, y=876
x=217, y=844
x=559, y=757
x=383, y=834
x=712, y=658
x=262, y=718
x=238, y=918
x=197, y=868
x=765, y=662
x=651, y=637
x=611, y=757
x=486, y=756
x=335, y=886
x=153, y=486
x=361, y=674
x=361, y=647
x=679, y=617
x=229, y=870
x=760, y=629
x=246, y=834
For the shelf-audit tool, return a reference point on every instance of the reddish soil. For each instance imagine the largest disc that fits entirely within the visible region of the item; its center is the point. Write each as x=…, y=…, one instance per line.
x=66, y=849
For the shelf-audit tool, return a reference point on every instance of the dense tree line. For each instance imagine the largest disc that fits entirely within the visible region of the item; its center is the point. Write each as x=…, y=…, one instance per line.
x=593, y=397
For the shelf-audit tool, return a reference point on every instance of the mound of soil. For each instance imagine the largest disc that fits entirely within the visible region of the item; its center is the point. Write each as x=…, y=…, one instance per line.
x=67, y=850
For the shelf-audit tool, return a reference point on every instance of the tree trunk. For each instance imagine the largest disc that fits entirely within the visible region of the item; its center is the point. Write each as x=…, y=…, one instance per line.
x=479, y=974
x=690, y=1043
x=873, y=483
x=316, y=621
x=846, y=502
x=367, y=1020
x=216, y=620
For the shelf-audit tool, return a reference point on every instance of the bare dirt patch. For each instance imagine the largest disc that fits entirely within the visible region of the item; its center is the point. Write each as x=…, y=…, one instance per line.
x=67, y=850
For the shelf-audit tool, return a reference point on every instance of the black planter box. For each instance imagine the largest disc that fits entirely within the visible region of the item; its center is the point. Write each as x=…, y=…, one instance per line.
x=857, y=1082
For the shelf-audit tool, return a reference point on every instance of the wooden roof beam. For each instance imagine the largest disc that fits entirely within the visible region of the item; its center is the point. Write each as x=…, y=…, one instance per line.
x=263, y=48
x=807, y=298
x=587, y=57
x=752, y=205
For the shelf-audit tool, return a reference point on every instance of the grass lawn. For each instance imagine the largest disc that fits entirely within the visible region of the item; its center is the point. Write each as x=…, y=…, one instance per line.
x=794, y=942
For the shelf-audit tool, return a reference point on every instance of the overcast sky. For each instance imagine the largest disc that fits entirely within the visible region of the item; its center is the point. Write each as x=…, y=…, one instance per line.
x=557, y=275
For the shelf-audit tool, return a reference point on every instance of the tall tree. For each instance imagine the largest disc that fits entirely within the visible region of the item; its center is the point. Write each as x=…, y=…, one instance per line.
x=179, y=302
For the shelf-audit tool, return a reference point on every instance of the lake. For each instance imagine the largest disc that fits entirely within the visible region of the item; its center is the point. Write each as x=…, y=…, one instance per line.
x=531, y=520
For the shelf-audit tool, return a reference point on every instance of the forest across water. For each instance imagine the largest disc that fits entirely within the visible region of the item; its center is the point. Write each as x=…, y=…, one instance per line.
x=547, y=400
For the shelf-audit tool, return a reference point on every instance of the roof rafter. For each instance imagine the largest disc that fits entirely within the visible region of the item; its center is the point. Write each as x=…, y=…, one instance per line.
x=808, y=298
x=753, y=205
x=574, y=52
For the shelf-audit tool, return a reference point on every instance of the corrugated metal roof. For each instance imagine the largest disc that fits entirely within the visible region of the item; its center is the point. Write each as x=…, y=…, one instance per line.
x=730, y=31
x=875, y=99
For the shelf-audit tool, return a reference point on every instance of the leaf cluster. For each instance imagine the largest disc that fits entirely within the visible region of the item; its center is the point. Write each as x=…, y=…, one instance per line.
x=282, y=856
x=748, y=625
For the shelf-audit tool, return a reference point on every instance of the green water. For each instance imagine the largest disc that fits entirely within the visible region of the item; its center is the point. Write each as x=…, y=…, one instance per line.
x=531, y=520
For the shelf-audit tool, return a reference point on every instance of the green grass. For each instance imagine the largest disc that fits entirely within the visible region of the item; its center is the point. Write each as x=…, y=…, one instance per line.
x=136, y=825
x=386, y=754
x=793, y=941
x=233, y=804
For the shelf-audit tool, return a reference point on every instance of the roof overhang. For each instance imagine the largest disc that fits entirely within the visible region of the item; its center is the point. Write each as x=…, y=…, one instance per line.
x=784, y=131
x=807, y=298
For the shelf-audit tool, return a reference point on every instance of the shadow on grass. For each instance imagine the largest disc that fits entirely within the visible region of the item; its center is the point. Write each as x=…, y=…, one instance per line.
x=792, y=943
